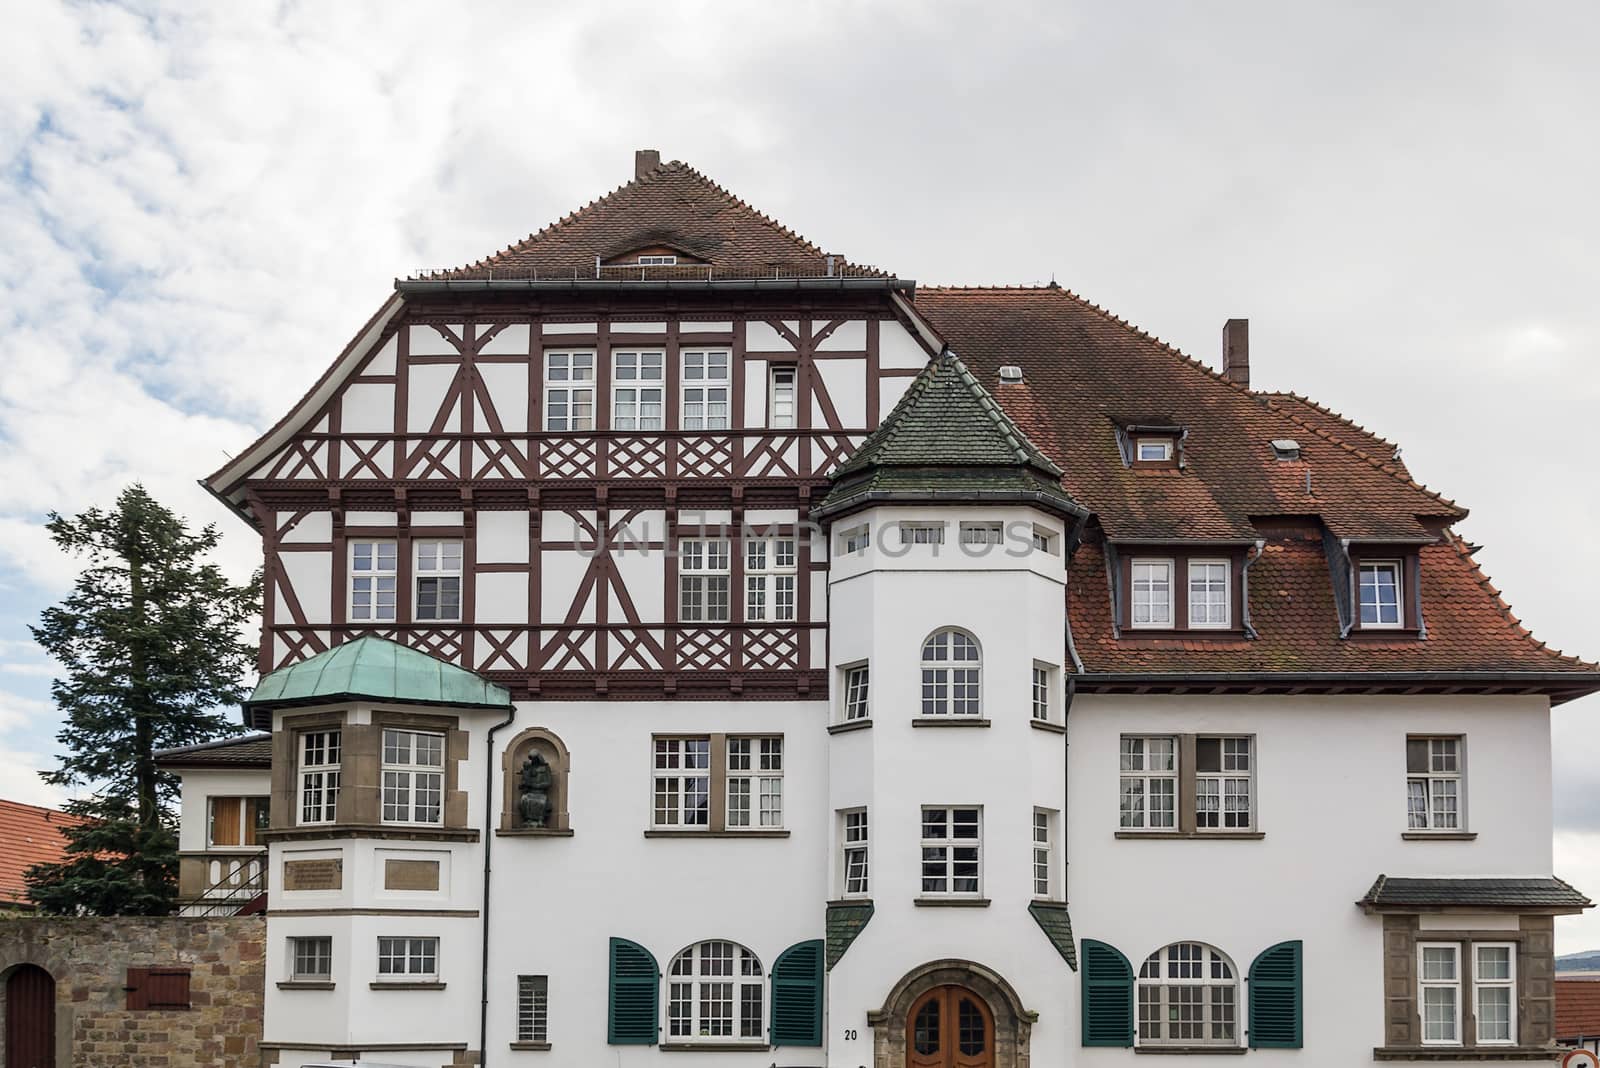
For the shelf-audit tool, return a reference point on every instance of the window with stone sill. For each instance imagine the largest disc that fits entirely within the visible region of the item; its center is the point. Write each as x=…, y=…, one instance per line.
x=413, y=777
x=311, y=959
x=1435, y=782
x=715, y=993
x=751, y=800
x=857, y=691
x=1188, y=995
x=408, y=960
x=319, y=776
x=533, y=1008
x=952, y=851
x=855, y=852
x=952, y=671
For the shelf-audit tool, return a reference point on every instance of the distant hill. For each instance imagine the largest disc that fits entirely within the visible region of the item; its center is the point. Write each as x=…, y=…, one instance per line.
x=1587, y=961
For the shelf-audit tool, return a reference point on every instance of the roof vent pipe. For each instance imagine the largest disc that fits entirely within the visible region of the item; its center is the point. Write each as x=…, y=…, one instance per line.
x=830, y=266
x=1236, y=351
x=644, y=161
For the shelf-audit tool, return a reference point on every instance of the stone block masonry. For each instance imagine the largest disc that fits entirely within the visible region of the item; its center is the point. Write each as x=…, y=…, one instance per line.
x=90, y=962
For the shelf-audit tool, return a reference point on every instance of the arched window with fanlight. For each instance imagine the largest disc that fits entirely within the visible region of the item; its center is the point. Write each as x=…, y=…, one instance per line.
x=1188, y=996
x=952, y=674
x=715, y=994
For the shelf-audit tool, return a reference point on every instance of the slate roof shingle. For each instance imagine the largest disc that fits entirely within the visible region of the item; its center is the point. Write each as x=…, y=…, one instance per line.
x=1473, y=892
x=245, y=751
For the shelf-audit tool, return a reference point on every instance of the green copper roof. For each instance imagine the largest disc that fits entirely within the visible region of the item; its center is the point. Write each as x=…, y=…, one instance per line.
x=1056, y=923
x=378, y=670
x=947, y=439
x=844, y=923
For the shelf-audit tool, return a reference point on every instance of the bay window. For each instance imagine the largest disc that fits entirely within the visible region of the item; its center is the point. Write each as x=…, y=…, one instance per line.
x=319, y=776
x=413, y=777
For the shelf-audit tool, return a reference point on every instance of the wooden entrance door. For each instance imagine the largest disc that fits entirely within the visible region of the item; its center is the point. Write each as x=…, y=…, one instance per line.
x=30, y=1018
x=950, y=1027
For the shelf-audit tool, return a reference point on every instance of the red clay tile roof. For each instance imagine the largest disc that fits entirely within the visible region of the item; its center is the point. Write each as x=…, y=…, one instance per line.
x=1577, y=1009
x=671, y=207
x=29, y=835
x=1331, y=424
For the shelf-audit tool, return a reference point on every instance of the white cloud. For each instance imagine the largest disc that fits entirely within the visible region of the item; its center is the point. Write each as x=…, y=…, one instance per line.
x=19, y=779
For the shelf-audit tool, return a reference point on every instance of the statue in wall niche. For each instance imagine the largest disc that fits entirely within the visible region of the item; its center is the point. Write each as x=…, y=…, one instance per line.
x=533, y=793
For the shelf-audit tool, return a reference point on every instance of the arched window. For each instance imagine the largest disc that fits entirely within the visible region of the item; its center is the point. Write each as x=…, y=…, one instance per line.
x=1188, y=996
x=951, y=667
x=715, y=993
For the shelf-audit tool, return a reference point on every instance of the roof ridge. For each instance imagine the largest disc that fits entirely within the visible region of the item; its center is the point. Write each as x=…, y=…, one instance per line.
x=747, y=206
x=565, y=220
x=1521, y=629
x=215, y=743
x=1325, y=410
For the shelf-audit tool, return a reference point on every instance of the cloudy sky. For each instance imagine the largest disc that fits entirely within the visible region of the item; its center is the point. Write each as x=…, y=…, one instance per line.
x=199, y=205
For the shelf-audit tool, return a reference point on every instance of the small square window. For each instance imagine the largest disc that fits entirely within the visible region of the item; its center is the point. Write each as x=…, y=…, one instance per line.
x=1153, y=450
x=311, y=959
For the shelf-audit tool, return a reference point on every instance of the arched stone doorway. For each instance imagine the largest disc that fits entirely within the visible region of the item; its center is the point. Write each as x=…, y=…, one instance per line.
x=970, y=1002
x=30, y=1018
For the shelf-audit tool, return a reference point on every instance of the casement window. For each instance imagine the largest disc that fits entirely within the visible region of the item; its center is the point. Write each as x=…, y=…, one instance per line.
x=857, y=695
x=237, y=821
x=1434, y=767
x=1188, y=996
x=951, y=674
x=1209, y=585
x=373, y=577
x=952, y=852
x=715, y=992
x=703, y=578
x=854, y=847
x=1152, y=593
x=569, y=391
x=638, y=383
x=319, y=776
x=408, y=960
x=1044, y=847
x=682, y=782
x=976, y=534
x=781, y=397
x=705, y=390
x=311, y=959
x=1149, y=791
x=1153, y=450
x=1044, y=686
x=1044, y=539
x=1494, y=997
x=1380, y=598
x=1222, y=778
x=769, y=580
x=1439, y=992
x=438, y=581
x=755, y=782
x=854, y=539
x=919, y=533
x=413, y=776
x=533, y=1008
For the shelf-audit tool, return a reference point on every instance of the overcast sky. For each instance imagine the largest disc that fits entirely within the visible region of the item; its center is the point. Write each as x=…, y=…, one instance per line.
x=200, y=205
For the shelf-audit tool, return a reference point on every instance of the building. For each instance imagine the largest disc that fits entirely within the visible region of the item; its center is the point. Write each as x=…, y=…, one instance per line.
x=673, y=636
x=29, y=835
x=1578, y=1013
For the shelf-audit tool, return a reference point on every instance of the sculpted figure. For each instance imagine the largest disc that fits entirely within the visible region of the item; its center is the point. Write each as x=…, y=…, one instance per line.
x=533, y=794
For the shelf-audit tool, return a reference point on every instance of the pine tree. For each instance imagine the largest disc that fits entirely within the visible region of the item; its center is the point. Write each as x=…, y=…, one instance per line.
x=151, y=642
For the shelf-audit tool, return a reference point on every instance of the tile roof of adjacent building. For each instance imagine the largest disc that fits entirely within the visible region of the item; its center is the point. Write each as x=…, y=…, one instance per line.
x=29, y=835
x=1473, y=892
x=1577, y=1009
x=245, y=751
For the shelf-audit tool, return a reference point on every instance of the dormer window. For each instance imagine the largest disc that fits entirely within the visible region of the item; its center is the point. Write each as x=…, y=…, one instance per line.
x=1151, y=445
x=1181, y=589
x=1153, y=450
x=658, y=261
x=1379, y=587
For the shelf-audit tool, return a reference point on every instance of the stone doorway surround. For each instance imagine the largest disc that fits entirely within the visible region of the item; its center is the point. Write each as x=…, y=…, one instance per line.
x=1013, y=1023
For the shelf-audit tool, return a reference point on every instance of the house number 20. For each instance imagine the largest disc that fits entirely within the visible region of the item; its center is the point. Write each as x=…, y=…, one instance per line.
x=849, y=1034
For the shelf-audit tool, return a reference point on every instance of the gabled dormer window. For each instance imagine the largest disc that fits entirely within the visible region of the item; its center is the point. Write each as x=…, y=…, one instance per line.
x=1151, y=445
x=1181, y=589
x=1380, y=593
x=1384, y=589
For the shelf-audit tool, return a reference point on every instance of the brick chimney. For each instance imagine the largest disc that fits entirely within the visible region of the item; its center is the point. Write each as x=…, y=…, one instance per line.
x=1236, y=351
x=644, y=161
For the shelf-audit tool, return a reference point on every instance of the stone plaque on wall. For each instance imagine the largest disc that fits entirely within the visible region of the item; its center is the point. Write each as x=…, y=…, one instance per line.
x=326, y=874
x=411, y=875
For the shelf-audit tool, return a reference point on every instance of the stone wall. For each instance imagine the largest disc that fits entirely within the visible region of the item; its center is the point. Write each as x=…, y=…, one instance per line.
x=89, y=960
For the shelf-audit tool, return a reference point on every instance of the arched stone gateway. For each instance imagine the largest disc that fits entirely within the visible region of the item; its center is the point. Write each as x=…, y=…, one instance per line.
x=936, y=991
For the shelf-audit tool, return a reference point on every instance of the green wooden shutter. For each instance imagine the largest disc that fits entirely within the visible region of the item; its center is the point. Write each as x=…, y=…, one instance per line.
x=635, y=987
x=1107, y=995
x=1275, y=998
x=797, y=995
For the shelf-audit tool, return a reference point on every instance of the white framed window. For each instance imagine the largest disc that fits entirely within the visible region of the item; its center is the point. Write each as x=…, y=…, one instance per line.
x=1153, y=450
x=705, y=390
x=1149, y=783
x=1223, y=774
x=658, y=261
x=638, y=384
x=1380, y=593
x=982, y=534
x=1044, y=849
x=1045, y=540
x=714, y=993
x=311, y=959
x=1494, y=992
x=237, y=821
x=1188, y=996
x=407, y=960
x=769, y=580
x=921, y=533
x=1044, y=688
x=413, y=776
x=1152, y=593
x=438, y=580
x=1439, y=992
x=569, y=391
x=533, y=1008
x=703, y=579
x=1434, y=770
x=319, y=776
x=1210, y=587
x=682, y=782
x=781, y=397
x=855, y=852
x=755, y=782
x=952, y=682
x=857, y=692
x=374, y=573
x=854, y=539
x=952, y=851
